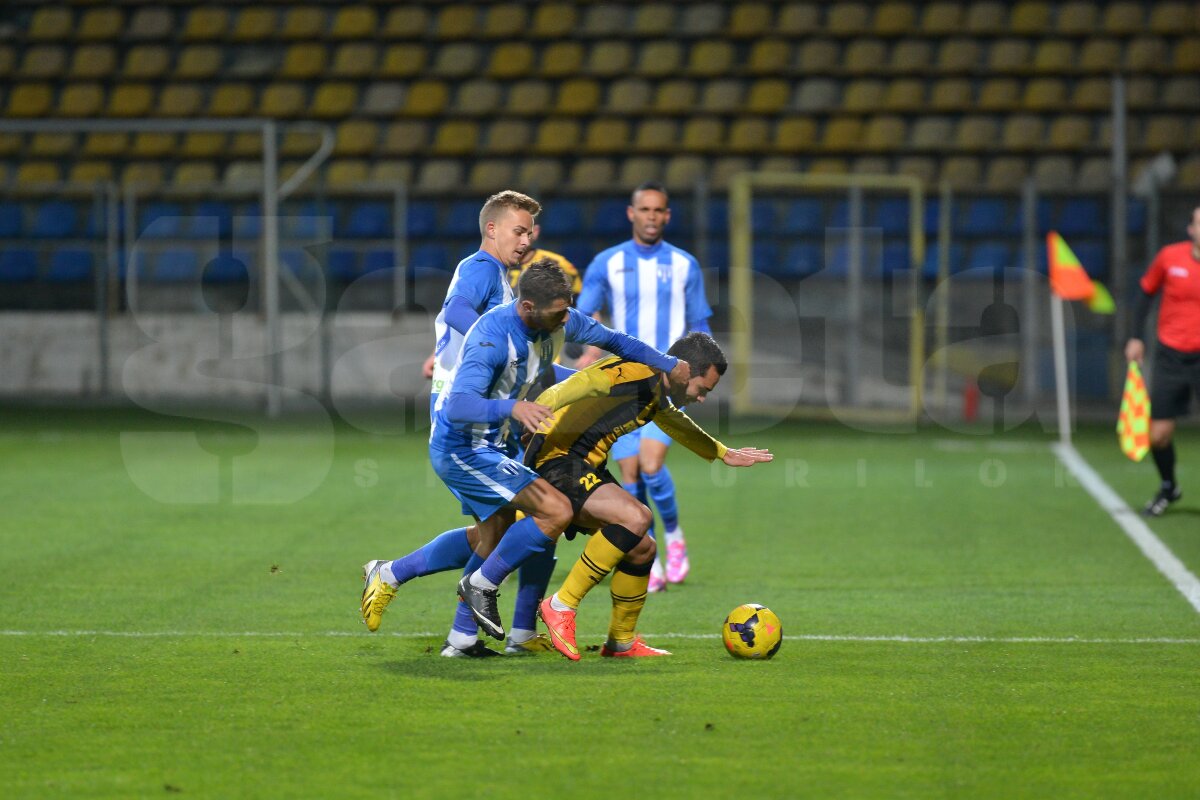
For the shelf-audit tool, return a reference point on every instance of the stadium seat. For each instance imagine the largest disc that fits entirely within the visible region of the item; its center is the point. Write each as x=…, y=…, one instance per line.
x=848, y=19
x=462, y=59
x=1186, y=59
x=553, y=20
x=11, y=220
x=675, y=97
x=911, y=56
x=562, y=59
x=703, y=135
x=92, y=61
x=769, y=57
x=976, y=133
x=816, y=95
x=1145, y=53
x=334, y=100
x=988, y=257
x=153, y=145
x=231, y=100
x=70, y=265
x=1171, y=18
x=929, y=270
x=1081, y=217
x=403, y=61
x=354, y=22
x=1054, y=56
x=803, y=217
x=723, y=96
x=894, y=19
x=343, y=264
x=566, y=219
x=440, y=175
x=50, y=23
x=905, y=94
x=456, y=22
x=1093, y=255
x=1005, y=173
x=38, y=173
x=890, y=214
x=1092, y=94
x=199, y=62
x=29, y=100
x=431, y=257
x=100, y=25
x=631, y=171
x=884, y=133
x=177, y=265
x=354, y=60
x=1030, y=18
x=540, y=174
x=750, y=20
x=18, y=265
x=1045, y=94
x=1022, y=132
x=629, y=96
x=578, y=96
x=479, y=97
x=962, y=172
x=383, y=99
x=303, y=61
x=592, y=174
x=767, y=96
x=609, y=219
x=842, y=133
x=161, y=221
x=863, y=95
x=355, y=137
x=606, y=135
x=304, y=22
x=283, y=100
x=749, y=135
x=653, y=19
x=206, y=23
x=426, y=98
x=1165, y=132
x=941, y=19
x=255, y=24
x=486, y=176
x=799, y=19
x=958, y=55
x=864, y=56
x=557, y=136
x=710, y=59
x=407, y=22
x=1181, y=92
x=608, y=59
x=130, y=100
x=43, y=61
x=999, y=94
x=1054, y=172
x=55, y=219
x=1124, y=18
x=456, y=137
x=684, y=170
x=508, y=137
x=210, y=219
x=702, y=19
x=505, y=21
x=51, y=144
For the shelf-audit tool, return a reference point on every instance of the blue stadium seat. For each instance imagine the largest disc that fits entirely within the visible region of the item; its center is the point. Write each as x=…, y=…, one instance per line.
x=431, y=256
x=762, y=217
x=611, y=220
x=462, y=219
x=984, y=217
x=933, y=210
x=210, y=219
x=839, y=217
x=718, y=217
x=1093, y=256
x=161, y=221
x=837, y=261
x=989, y=257
x=308, y=221
x=895, y=257
x=422, y=219
x=718, y=256
x=299, y=262
x=70, y=265
x=563, y=220
x=800, y=260
x=1135, y=213
x=247, y=223
x=228, y=267
x=368, y=221
x=177, y=265
x=765, y=258
x=378, y=264
x=343, y=264
x=682, y=221
x=891, y=214
x=17, y=265
x=55, y=220
x=578, y=253
x=804, y=217
x=10, y=220
x=1081, y=217
x=929, y=269
x=1045, y=215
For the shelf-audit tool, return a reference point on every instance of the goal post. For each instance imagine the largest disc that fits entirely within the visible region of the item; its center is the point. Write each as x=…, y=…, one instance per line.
x=859, y=325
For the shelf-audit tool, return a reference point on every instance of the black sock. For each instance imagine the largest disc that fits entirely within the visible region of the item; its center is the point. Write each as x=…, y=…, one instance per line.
x=1164, y=459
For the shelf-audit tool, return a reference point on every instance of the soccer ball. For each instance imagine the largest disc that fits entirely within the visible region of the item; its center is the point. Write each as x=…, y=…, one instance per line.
x=752, y=631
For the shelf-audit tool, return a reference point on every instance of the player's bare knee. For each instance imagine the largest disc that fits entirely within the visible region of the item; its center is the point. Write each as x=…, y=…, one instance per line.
x=556, y=514
x=641, y=518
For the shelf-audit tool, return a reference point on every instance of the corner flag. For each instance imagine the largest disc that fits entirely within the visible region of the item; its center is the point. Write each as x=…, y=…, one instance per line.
x=1068, y=279
x=1133, y=424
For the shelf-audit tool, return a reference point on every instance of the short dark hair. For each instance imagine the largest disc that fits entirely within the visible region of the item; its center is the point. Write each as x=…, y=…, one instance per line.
x=701, y=351
x=543, y=282
x=649, y=186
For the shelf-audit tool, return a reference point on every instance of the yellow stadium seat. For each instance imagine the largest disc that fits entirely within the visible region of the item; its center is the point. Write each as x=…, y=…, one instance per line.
x=283, y=100
x=456, y=60
x=911, y=55
x=334, y=100
x=684, y=170
x=244, y=145
x=750, y=20
x=864, y=56
x=303, y=61
x=659, y=59
x=1166, y=132
x=10, y=144
x=632, y=171
x=456, y=137
x=710, y=59
x=33, y=173
x=403, y=61
x=554, y=20
x=653, y=19
x=195, y=173
x=941, y=19
x=779, y=164
x=922, y=168
x=478, y=97
x=557, y=137
x=722, y=96
x=578, y=96
x=1004, y=174
x=1092, y=94
x=723, y=170
x=50, y=23
x=675, y=97
x=606, y=136
x=355, y=137
x=304, y=22
x=153, y=145
x=205, y=23
x=895, y=19
x=848, y=19
x=255, y=24
x=406, y=137
x=976, y=133
x=592, y=174
x=999, y=94
x=905, y=94
x=529, y=97
x=198, y=62
x=656, y=135
x=1054, y=56
x=796, y=135
x=562, y=59
x=540, y=174
x=383, y=99
x=749, y=135
x=703, y=135
x=355, y=22
x=151, y=22
x=79, y=100
x=90, y=172
x=51, y=144
x=1023, y=132
x=508, y=137
x=1181, y=92
x=607, y=59
x=511, y=60
x=456, y=22
x=100, y=24
x=1099, y=55
x=817, y=95
x=231, y=100
x=93, y=61
x=130, y=100
x=842, y=133
x=1188, y=176
x=1172, y=19
x=347, y=172
x=43, y=61
x=798, y=19
x=143, y=175
x=407, y=22
x=147, y=61
x=769, y=57
x=1070, y=131
x=818, y=56
x=962, y=172
x=179, y=100
x=1030, y=18
x=1146, y=53
x=243, y=173
x=1124, y=18
x=1187, y=55
x=870, y=165
x=863, y=95
x=355, y=60
x=629, y=96
x=1045, y=94
x=298, y=143
x=105, y=144
x=768, y=96
x=931, y=133
x=8, y=60
x=391, y=173
x=488, y=176
x=986, y=18
x=1076, y=17
x=505, y=21
x=958, y=55
x=1009, y=55
x=702, y=19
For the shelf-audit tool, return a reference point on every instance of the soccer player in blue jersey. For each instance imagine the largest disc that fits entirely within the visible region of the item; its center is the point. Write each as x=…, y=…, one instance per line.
x=653, y=291
x=508, y=353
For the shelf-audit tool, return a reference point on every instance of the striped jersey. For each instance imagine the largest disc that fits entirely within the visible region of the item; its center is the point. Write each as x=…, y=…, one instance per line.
x=482, y=280
x=653, y=293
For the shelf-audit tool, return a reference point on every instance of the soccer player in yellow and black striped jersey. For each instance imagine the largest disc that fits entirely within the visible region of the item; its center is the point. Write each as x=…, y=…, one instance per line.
x=596, y=406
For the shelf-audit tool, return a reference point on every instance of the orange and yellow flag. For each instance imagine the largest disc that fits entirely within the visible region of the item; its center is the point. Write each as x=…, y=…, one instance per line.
x=1068, y=279
x=1133, y=424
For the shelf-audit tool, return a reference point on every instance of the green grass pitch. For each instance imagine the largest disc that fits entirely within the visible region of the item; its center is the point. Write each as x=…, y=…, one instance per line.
x=153, y=648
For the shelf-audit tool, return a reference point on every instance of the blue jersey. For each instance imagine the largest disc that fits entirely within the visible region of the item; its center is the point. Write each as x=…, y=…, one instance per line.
x=482, y=281
x=503, y=361
x=654, y=293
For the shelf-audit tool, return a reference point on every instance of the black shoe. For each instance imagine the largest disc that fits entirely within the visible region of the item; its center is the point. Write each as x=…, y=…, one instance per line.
x=483, y=606
x=1158, y=504
x=477, y=650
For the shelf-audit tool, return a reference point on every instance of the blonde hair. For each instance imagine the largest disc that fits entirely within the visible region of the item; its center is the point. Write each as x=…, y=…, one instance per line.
x=506, y=199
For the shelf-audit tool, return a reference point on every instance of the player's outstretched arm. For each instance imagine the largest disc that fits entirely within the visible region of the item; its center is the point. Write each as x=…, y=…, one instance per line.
x=585, y=330
x=747, y=457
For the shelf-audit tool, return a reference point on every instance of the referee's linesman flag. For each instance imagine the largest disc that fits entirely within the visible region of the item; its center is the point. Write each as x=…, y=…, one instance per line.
x=1133, y=424
x=1068, y=279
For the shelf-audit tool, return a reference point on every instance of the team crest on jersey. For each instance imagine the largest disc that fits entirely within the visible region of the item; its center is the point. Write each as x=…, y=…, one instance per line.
x=665, y=273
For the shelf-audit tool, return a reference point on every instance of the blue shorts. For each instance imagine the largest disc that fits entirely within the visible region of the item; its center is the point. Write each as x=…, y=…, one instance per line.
x=483, y=479
x=627, y=446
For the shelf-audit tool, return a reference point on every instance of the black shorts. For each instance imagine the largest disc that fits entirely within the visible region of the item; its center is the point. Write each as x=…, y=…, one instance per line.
x=1176, y=378
x=575, y=477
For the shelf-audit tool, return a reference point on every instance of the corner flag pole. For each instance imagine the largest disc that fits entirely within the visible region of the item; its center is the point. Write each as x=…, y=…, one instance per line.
x=1061, y=385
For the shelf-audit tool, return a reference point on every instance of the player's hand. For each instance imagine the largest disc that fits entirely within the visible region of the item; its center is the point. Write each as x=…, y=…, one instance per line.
x=590, y=356
x=530, y=415
x=681, y=372
x=427, y=367
x=747, y=457
x=1135, y=350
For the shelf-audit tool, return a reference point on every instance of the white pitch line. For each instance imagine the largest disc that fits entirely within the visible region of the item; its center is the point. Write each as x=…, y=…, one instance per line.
x=1151, y=546
x=807, y=637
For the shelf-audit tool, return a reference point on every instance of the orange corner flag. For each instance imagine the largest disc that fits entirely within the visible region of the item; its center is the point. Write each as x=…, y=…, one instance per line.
x=1067, y=278
x=1133, y=424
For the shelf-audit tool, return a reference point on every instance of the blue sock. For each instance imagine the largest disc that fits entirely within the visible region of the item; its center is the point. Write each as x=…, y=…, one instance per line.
x=638, y=490
x=534, y=578
x=662, y=492
x=464, y=621
x=449, y=550
x=519, y=542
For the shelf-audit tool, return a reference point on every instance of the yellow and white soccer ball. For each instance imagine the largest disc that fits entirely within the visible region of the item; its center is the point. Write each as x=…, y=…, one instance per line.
x=752, y=631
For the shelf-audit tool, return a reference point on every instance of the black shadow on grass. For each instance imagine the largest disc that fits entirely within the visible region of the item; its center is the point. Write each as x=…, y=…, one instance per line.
x=433, y=666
